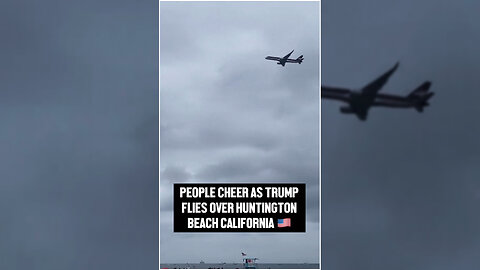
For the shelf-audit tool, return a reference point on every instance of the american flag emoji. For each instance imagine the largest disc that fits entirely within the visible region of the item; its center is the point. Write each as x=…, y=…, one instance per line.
x=285, y=222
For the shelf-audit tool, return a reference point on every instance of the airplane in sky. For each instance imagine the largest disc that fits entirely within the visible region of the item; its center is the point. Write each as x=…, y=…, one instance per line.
x=359, y=102
x=285, y=59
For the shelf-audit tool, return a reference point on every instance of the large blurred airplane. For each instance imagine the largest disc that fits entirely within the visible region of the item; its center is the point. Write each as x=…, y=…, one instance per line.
x=359, y=102
x=285, y=59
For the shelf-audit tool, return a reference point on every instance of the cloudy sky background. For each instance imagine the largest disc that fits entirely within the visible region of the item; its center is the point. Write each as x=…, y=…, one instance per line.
x=402, y=190
x=228, y=115
x=79, y=136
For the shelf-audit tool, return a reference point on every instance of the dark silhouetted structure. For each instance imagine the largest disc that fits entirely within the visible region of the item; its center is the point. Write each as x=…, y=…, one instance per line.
x=285, y=59
x=359, y=102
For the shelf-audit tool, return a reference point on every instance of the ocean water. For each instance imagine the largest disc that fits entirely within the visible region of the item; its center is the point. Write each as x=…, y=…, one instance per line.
x=239, y=266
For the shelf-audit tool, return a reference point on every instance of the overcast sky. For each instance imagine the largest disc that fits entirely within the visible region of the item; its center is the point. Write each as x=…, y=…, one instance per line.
x=402, y=190
x=79, y=135
x=228, y=115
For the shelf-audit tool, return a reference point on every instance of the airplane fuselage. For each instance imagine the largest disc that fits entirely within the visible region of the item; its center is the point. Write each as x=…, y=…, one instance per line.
x=360, y=104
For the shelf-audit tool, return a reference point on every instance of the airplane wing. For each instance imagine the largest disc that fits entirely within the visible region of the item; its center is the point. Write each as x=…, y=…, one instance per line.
x=372, y=88
x=288, y=55
x=273, y=58
x=336, y=93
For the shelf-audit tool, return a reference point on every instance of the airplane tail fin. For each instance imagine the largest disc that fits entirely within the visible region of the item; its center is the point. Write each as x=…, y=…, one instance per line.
x=423, y=102
x=300, y=59
x=421, y=95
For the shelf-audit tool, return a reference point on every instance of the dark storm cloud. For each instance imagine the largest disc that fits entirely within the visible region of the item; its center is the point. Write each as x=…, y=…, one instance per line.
x=79, y=135
x=228, y=115
x=401, y=190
